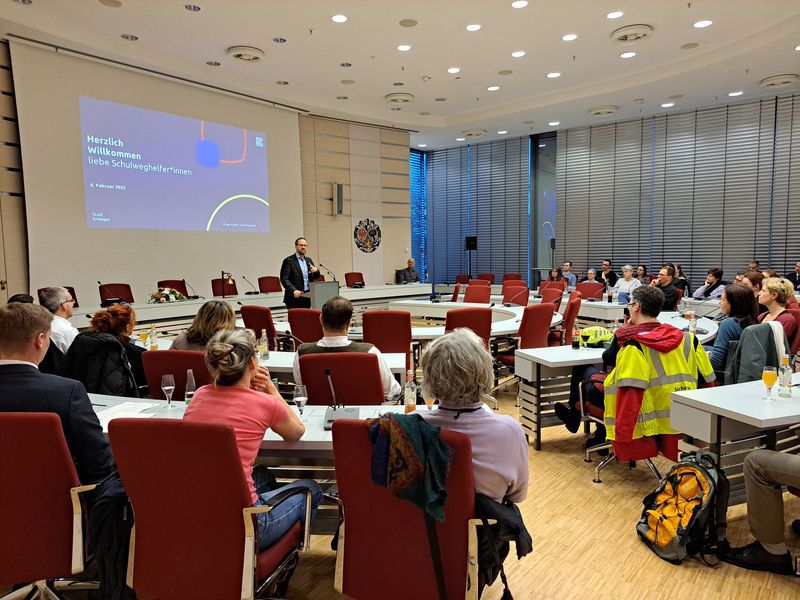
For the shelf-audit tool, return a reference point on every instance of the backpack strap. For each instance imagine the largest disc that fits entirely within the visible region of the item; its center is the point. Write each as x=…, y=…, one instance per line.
x=436, y=555
x=493, y=543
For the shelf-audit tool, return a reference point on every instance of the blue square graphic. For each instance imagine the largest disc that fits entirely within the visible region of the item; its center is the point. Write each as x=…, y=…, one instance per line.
x=207, y=153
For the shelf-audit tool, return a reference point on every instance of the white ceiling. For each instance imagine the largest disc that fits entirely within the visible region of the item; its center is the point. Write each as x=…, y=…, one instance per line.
x=749, y=40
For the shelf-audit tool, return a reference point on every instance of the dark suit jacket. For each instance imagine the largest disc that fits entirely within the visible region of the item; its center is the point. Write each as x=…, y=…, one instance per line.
x=292, y=276
x=24, y=389
x=408, y=276
x=795, y=279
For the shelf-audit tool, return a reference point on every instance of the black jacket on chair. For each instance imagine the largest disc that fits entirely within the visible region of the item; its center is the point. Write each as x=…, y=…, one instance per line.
x=292, y=277
x=100, y=362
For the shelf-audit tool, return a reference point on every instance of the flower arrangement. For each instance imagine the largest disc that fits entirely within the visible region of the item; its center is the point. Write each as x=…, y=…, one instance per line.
x=165, y=295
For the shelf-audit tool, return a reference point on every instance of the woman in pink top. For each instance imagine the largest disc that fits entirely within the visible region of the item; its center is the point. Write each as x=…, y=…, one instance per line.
x=232, y=400
x=774, y=295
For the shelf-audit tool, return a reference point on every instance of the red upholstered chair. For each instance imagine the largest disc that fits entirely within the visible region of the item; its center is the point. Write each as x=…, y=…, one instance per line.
x=269, y=283
x=353, y=278
x=116, y=290
x=792, y=303
x=41, y=536
x=320, y=278
x=259, y=320
x=456, y=290
x=356, y=378
x=563, y=335
x=477, y=319
x=533, y=330
x=513, y=283
x=194, y=513
x=543, y=285
x=574, y=294
x=552, y=296
x=512, y=276
x=516, y=295
x=477, y=294
x=368, y=566
x=677, y=301
x=70, y=289
x=220, y=285
x=487, y=277
x=389, y=331
x=160, y=362
x=484, y=282
x=179, y=285
x=305, y=324
x=590, y=289
x=794, y=343
x=463, y=278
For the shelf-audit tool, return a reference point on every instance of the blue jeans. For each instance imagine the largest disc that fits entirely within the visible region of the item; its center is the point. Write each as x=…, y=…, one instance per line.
x=272, y=525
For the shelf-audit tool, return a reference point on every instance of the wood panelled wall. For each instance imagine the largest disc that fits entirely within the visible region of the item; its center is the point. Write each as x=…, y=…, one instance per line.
x=13, y=243
x=334, y=151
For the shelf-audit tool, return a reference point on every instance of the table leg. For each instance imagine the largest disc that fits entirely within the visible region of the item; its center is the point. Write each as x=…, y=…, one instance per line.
x=771, y=439
x=537, y=443
x=716, y=445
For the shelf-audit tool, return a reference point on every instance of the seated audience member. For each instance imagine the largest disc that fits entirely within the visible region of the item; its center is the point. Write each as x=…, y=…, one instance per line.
x=775, y=293
x=409, y=274
x=61, y=303
x=739, y=277
x=591, y=275
x=555, y=275
x=769, y=273
x=794, y=277
x=53, y=361
x=753, y=280
x=566, y=271
x=765, y=472
x=230, y=400
x=21, y=298
x=712, y=288
x=214, y=316
x=626, y=285
x=607, y=276
x=753, y=265
x=664, y=282
x=335, y=318
x=642, y=275
x=681, y=282
x=457, y=371
x=24, y=339
x=739, y=307
x=103, y=358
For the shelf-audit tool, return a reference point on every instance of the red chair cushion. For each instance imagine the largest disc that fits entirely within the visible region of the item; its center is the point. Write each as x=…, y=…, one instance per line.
x=506, y=359
x=269, y=559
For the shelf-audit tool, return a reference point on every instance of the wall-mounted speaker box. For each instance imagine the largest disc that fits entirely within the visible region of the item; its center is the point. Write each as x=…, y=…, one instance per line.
x=471, y=242
x=338, y=198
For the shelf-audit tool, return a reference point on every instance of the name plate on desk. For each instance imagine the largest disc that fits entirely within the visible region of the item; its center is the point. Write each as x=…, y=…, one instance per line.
x=331, y=414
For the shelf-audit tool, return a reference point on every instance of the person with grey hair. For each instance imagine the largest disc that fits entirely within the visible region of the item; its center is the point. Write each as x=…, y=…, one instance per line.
x=60, y=302
x=591, y=275
x=625, y=286
x=457, y=371
x=230, y=400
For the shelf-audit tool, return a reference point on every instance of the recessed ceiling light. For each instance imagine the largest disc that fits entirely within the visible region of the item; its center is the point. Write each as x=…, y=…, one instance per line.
x=398, y=83
x=736, y=93
x=342, y=98
x=615, y=15
x=404, y=47
x=542, y=145
x=460, y=139
x=347, y=82
x=408, y=22
x=422, y=145
x=519, y=3
x=281, y=83
x=213, y=63
x=518, y=53
x=570, y=37
x=667, y=105
x=453, y=70
x=130, y=37
x=797, y=48
x=554, y=123
x=440, y=99
x=25, y=2
x=493, y=88
x=345, y=65
x=505, y=72
x=629, y=54
x=502, y=132
x=702, y=24
x=279, y=40
x=108, y=3
x=553, y=75
x=339, y=19
x=675, y=96
x=192, y=7
x=395, y=108
x=639, y=100
x=473, y=27
x=689, y=46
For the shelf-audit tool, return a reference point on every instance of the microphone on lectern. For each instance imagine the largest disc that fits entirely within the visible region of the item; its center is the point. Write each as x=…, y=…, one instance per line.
x=331, y=273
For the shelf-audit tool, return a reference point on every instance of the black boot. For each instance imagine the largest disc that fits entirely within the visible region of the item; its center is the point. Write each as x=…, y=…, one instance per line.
x=754, y=557
x=569, y=416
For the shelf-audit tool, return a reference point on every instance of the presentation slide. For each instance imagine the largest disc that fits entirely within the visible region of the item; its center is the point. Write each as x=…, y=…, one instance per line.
x=145, y=169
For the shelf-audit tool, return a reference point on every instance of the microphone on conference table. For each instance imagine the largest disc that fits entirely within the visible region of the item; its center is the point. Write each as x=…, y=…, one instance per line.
x=194, y=295
x=331, y=273
x=255, y=290
x=110, y=299
x=514, y=297
x=294, y=337
x=334, y=404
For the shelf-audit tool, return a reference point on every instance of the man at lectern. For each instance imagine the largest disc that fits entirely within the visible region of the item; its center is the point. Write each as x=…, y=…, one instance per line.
x=297, y=271
x=409, y=274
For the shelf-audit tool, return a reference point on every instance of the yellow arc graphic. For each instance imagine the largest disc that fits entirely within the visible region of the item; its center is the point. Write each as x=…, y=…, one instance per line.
x=231, y=199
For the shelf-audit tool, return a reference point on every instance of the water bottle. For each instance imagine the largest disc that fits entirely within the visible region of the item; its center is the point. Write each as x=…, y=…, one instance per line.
x=153, y=338
x=785, y=378
x=693, y=325
x=682, y=307
x=263, y=347
x=615, y=296
x=190, y=386
x=410, y=393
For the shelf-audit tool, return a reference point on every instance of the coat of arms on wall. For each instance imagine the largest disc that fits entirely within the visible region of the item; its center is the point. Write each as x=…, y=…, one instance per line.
x=367, y=235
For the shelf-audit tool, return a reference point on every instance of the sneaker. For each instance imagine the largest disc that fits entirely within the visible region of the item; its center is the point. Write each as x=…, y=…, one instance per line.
x=796, y=527
x=570, y=417
x=754, y=557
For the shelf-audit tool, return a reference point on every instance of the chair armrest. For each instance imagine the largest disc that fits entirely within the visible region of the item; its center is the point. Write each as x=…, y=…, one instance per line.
x=472, y=557
x=77, y=526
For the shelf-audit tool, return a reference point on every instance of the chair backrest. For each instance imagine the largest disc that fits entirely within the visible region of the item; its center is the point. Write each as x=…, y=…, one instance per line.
x=187, y=488
x=516, y=295
x=478, y=319
x=552, y=295
x=547, y=284
x=389, y=331
x=221, y=287
x=507, y=283
x=478, y=294
x=485, y=282
x=590, y=289
x=791, y=303
x=795, y=342
x=352, y=278
x=456, y=290
x=373, y=516
x=680, y=294
x=70, y=289
x=179, y=285
x=512, y=276
x=487, y=277
x=37, y=472
x=259, y=320
x=356, y=378
x=161, y=362
x=269, y=283
x=535, y=325
x=570, y=315
x=543, y=285
x=116, y=290
x=305, y=324
x=573, y=295
x=320, y=278
x=463, y=278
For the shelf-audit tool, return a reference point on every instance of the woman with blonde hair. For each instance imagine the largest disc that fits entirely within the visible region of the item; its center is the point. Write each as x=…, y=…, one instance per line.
x=214, y=316
x=774, y=295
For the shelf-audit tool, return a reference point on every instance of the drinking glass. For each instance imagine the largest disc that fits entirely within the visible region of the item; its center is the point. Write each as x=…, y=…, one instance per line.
x=584, y=340
x=428, y=401
x=168, y=387
x=143, y=335
x=769, y=376
x=300, y=397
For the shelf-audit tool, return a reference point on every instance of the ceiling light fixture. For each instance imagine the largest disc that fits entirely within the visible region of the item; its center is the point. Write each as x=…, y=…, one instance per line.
x=554, y=75
x=628, y=54
x=667, y=105
x=130, y=37
x=797, y=48
x=422, y=145
x=404, y=47
x=347, y=82
x=502, y=132
x=398, y=84
x=542, y=145
x=460, y=139
x=615, y=15
x=213, y=63
x=518, y=53
x=473, y=27
x=554, y=123
x=345, y=65
x=689, y=46
x=339, y=19
x=342, y=98
x=395, y=108
x=453, y=70
x=408, y=22
x=702, y=24
x=281, y=83
x=440, y=99
x=736, y=93
x=493, y=88
x=27, y=2
x=279, y=40
x=108, y=3
x=570, y=37
x=519, y=3
x=192, y=7
x=505, y=72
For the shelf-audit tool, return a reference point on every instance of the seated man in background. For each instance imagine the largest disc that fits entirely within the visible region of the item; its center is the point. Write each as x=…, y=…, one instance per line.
x=409, y=274
x=335, y=319
x=591, y=275
x=754, y=265
x=24, y=339
x=607, y=276
x=61, y=303
x=566, y=272
x=713, y=286
x=23, y=298
x=664, y=282
x=794, y=277
x=765, y=471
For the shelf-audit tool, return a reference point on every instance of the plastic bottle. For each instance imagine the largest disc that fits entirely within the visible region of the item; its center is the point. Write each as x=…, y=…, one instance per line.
x=190, y=386
x=263, y=347
x=153, y=338
x=785, y=378
x=410, y=392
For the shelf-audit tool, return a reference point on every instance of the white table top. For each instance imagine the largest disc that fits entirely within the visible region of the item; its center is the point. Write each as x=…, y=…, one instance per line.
x=282, y=362
x=743, y=402
x=704, y=308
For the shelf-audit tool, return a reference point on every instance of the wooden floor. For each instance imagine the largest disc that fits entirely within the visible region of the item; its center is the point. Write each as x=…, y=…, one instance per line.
x=585, y=544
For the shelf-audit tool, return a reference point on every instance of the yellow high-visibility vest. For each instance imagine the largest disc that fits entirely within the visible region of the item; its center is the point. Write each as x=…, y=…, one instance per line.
x=658, y=374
